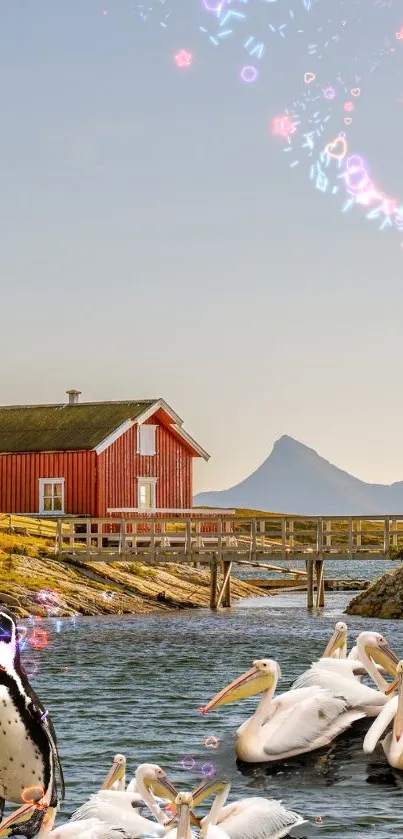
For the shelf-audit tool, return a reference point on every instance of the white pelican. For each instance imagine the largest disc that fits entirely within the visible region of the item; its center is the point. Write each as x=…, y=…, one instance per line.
x=116, y=777
x=337, y=646
x=43, y=821
x=293, y=723
x=341, y=676
x=250, y=818
x=393, y=743
x=119, y=807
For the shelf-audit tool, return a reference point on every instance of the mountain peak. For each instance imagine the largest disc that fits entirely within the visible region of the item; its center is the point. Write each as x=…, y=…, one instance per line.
x=294, y=478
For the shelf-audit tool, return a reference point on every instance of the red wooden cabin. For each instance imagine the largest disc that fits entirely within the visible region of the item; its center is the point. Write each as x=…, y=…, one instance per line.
x=95, y=458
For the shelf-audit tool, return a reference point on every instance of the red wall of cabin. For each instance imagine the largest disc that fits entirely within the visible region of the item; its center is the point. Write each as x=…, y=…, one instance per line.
x=119, y=466
x=20, y=473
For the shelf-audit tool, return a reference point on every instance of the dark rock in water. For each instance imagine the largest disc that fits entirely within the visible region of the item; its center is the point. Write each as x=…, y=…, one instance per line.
x=382, y=599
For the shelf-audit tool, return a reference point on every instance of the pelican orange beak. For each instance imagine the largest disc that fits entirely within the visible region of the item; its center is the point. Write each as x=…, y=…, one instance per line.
x=249, y=684
x=184, y=803
x=398, y=723
x=337, y=642
x=209, y=787
x=116, y=773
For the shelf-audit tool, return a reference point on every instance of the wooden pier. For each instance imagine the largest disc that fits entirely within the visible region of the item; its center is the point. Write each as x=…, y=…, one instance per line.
x=220, y=541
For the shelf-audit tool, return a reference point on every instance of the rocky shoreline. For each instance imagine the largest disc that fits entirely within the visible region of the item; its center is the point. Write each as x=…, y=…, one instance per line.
x=382, y=599
x=48, y=586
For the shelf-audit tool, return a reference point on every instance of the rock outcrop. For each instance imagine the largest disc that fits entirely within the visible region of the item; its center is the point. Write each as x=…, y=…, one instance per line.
x=49, y=586
x=382, y=599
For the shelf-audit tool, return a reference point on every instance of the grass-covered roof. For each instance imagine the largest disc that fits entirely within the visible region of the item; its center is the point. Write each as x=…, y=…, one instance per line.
x=41, y=428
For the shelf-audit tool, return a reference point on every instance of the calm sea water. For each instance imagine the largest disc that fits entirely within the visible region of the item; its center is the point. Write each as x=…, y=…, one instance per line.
x=133, y=685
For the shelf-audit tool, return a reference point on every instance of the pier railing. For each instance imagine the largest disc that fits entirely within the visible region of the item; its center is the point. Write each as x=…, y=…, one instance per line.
x=159, y=538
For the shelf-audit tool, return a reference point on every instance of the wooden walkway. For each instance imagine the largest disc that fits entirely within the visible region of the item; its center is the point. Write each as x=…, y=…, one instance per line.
x=220, y=541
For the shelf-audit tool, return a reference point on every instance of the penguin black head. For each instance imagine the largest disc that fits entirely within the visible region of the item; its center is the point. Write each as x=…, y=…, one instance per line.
x=9, y=652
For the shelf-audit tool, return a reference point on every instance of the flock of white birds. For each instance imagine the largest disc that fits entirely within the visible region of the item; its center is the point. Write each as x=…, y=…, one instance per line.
x=325, y=701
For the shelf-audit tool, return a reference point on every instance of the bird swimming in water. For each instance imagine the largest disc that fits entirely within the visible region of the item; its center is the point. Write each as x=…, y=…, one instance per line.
x=28, y=750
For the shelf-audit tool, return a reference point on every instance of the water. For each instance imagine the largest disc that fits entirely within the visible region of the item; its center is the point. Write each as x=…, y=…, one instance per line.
x=346, y=569
x=133, y=685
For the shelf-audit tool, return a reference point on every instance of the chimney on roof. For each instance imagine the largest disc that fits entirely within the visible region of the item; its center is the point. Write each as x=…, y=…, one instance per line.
x=73, y=396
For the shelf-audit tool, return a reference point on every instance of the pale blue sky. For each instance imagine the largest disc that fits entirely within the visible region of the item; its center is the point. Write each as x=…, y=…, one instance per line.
x=155, y=243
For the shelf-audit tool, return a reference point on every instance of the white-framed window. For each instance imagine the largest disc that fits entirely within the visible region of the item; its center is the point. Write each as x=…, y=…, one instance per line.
x=146, y=439
x=51, y=495
x=146, y=493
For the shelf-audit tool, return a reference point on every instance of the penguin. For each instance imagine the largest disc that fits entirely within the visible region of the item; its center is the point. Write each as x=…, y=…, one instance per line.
x=28, y=748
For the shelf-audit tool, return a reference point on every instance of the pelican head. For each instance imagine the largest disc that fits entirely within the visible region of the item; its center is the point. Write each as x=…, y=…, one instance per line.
x=337, y=645
x=153, y=777
x=375, y=646
x=183, y=804
x=263, y=676
x=116, y=773
x=28, y=821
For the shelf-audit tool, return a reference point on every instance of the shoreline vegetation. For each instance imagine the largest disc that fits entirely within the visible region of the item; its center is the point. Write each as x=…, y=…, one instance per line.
x=34, y=581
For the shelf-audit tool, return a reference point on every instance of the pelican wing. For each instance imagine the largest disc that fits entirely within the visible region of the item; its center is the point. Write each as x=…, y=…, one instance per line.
x=118, y=809
x=380, y=725
x=355, y=694
x=88, y=829
x=258, y=817
x=313, y=719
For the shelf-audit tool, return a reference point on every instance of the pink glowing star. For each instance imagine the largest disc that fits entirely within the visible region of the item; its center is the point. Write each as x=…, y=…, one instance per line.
x=282, y=126
x=348, y=106
x=183, y=58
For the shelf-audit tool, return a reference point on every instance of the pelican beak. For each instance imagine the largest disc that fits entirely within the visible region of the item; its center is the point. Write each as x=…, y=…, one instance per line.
x=249, y=684
x=116, y=773
x=383, y=655
x=337, y=642
x=183, y=830
x=398, y=723
x=20, y=817
x=163, y=788
x=207, y=788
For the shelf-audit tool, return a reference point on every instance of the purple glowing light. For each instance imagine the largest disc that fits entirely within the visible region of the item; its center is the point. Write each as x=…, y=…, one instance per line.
x=248, y=74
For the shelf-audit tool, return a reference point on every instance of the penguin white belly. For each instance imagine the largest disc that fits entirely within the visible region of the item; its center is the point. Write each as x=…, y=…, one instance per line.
x=21, y=763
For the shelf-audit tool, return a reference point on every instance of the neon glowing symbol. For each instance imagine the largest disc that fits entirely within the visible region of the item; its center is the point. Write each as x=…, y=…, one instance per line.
x=282, y=126
x=211, y=6
x=208, y=769
x=183, y=58
x=33, y=795
x=188, y=762
x=329, y=92
x=348, y=120
x=211, y=742
x=309, y=77
x=249, y=74
x=337, y=148
x=349, y=106
x=355, y=91
x=399, y=35
x=38, y=639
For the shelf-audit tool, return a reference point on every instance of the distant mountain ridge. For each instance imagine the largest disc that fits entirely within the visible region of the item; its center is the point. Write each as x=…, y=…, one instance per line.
x=296, y=479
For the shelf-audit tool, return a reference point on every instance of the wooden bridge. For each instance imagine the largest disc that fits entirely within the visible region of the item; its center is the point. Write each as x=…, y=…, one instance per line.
x=220, y=541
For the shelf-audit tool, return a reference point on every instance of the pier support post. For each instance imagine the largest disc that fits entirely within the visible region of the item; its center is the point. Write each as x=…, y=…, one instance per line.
x=309, y=580
x=214, y=583
x=226, y=586
x=320, y=583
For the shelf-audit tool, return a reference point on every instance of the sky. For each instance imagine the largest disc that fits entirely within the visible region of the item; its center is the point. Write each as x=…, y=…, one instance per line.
x=156, y=241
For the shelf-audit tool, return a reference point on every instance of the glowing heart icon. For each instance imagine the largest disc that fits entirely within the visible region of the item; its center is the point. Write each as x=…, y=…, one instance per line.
x=309, y=77
x=348, y=120
x=337, y=148
x=355, y=91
